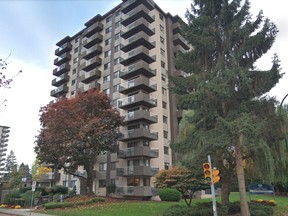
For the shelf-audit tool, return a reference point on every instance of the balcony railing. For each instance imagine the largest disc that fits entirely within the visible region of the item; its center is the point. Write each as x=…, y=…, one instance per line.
x=138, y=152
x=64, y=78
x=137, y=99
x=139, y=133
x=141, y=82
x=141, y=115
x=62, y=59
x=87, y=77
x=137, y=191
x=61, y=70
x=135, y=27
x=50, y=177
x=129, y=5
x=139, y=67
x=137, y=13
x=179, y=40
x=59, y=91
x=139, y=53
x=64, y=48
x=141, y=38
x=137, y=171
x=96, y=27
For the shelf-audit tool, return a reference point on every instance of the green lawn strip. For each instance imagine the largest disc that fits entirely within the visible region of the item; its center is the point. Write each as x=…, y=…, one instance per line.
x=154, y=208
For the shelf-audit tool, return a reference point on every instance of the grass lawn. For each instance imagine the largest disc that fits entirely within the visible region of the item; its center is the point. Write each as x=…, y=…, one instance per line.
x=153, y=208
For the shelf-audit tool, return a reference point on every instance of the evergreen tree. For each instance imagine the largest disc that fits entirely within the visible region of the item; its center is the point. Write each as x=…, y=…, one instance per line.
x=11, y=162
x=231, y=113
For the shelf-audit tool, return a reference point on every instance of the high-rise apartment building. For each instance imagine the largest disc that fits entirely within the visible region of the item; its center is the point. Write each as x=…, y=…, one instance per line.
x=4, y=134
x=128, y=54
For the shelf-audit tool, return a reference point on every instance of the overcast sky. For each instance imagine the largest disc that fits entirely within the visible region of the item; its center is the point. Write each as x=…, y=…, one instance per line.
x=29, y=31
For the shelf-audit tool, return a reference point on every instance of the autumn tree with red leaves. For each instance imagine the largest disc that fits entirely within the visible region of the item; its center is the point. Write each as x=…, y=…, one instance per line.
x=74, y=131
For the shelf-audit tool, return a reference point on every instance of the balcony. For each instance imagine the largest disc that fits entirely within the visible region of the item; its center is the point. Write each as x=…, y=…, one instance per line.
x=3, y=145
x=2, y=155
x=140, y=67
x=64, y=78
x=95, y=39
x=5, y=135
x=6, y=130
x=130, y=5
x=141, y=115
x=141, y=151
x=62, y=59
x=180, y=73
x=3, y=149
x=93, y=85
x=94, y=51
x=137, y=171
x=48, y=177
x=141, y=38
x=138, y=191
x=4, y=140
x=96, y=27
x=59, y=91
x=179, y=48
x=137, y=100
x=90, y=76
x=137, y=13
x=91, y=64
x=137, y=26
x=176, y=27
x=140, y=53
x=139, y=133
x=64, y=48
x=61, y=70
x=139, y=83
x=179, y=40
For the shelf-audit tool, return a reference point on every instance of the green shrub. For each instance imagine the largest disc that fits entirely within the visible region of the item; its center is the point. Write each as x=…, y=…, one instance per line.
x=98, y=199
x=11, y=196
x=178, y=210
x=111, y=188
x=169, y=194
x=59, y=189
x=89, y=201
x=53, y=205
x=233, y=207
x=27, y=197
x=79, y=203
x=259, y=209
x=67, y=204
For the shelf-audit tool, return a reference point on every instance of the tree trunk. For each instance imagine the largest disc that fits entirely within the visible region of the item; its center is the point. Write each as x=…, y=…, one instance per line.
x=226, y=189
x=241, y=179
x=89, y=180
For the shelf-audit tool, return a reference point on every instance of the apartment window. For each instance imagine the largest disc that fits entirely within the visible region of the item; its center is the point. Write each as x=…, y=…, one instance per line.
x=115, y=102
x=75, y=60
x=162, y=40
x=165, y=119
x=116, y=48
x=116, y=74
x=107, y=66
x=117, y=36
x=146, y=181
x=117, y=61
x=72, y=92
x=161, y=28
x=145, y=143
x=116, y=88
x=108, y=19
x=108, y=41
x=162, y=52
x=108, y=30
x=132, y=144
x=117, y=24
x=77, y=39
x=133, y=182
x=164, y=91
x=107, y=53
x=106, y=91
x=164, y=105
x=162, y=64
x=166, y=166
x=165, y=134
x=166, y=150
x=102, y=183
x=76, y=49
x=113, y=165
x=163, y=77
x=113, y=181
x=106, y=78
x=102, y=166
x=118, y=13
x=74, y=71
x=72, y=183
x=65, y=183
x=161, y=16
x=146, y=162
x=73, y=82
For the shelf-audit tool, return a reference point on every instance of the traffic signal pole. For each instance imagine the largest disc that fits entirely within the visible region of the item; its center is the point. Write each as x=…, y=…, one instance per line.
x=212, y=189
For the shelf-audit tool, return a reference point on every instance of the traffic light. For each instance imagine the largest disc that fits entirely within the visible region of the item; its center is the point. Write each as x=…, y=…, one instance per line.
x=216, y=177
x=207, y=172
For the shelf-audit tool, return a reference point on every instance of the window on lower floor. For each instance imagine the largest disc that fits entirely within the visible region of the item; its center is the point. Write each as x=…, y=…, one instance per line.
x=102, y=183
x=166, y=150
x=113, y=165
x=166, y=166
x=102, y=166
x=133, y=182
x=146, y=181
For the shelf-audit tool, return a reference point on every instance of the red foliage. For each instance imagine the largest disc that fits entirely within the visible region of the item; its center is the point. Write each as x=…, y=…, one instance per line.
x=74, y=131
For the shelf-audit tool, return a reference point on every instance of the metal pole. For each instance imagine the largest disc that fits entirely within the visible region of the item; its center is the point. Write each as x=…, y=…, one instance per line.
x=214, y=206
x=32, y=197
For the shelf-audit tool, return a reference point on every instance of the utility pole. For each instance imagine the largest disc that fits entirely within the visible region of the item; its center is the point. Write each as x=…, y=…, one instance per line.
x=214, y=206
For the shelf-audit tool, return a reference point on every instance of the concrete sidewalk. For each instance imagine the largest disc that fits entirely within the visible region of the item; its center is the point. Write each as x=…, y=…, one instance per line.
x=21, y=212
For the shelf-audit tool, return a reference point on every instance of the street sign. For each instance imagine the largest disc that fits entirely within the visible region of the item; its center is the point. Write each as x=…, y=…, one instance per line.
x=33, y=185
